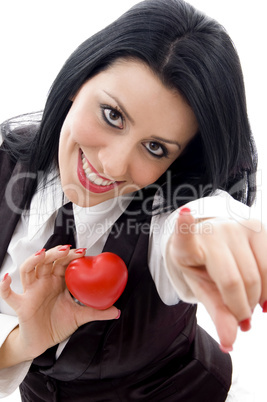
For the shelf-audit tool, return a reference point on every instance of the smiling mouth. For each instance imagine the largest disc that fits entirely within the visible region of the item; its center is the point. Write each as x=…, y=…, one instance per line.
x=92, y=176
x=91, y=179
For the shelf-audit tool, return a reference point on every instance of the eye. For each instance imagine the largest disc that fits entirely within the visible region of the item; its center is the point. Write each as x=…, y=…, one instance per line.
x=156, y=149
x=112, y=116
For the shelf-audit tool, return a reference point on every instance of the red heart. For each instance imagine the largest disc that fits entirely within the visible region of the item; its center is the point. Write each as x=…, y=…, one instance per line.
x=97, y=281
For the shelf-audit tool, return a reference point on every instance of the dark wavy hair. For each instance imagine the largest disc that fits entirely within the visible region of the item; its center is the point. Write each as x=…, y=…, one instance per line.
x=189, y=52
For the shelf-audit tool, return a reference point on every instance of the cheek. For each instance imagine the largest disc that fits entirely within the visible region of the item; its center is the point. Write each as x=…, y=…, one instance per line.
x=155, y=172
x=80, y=128
x=86, y=132
x=145, y=175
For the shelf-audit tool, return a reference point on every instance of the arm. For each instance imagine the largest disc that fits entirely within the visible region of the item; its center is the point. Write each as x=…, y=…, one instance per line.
x=11, y=353
x=9, y=326
x=10, y=378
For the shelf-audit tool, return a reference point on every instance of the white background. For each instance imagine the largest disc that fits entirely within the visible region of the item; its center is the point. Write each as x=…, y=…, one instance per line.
x=36, y=37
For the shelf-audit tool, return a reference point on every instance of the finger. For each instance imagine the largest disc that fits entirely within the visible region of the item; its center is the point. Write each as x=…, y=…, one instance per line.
x=222, y=269
x=45, y=268
x=250, y=274
x=56, y=253
x=27, y=269
x=185, y=244
x=87, y=314
x=224, y=321
x=7, y=294
x=60, y=265
x=258, y=243
x=191, y=250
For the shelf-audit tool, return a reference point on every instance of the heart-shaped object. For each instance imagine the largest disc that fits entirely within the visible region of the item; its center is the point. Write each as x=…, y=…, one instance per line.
x=97, y=281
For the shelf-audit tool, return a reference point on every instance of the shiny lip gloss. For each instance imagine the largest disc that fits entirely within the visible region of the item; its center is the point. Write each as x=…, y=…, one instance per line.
x=86, y=183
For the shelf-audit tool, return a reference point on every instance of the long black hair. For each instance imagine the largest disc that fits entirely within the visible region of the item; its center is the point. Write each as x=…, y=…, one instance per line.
x=189, y=52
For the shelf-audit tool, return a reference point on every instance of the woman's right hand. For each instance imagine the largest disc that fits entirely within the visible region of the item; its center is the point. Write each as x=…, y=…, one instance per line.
x=46, y=311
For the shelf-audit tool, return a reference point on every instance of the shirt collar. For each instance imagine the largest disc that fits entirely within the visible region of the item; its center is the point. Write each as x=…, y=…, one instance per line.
x=94, y=221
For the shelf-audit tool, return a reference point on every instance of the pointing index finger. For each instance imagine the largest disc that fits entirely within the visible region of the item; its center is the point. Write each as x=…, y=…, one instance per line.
x=185, y=244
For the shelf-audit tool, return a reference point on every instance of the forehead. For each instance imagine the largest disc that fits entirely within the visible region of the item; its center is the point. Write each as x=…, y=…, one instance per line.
x=135, y=71
x=147, y=100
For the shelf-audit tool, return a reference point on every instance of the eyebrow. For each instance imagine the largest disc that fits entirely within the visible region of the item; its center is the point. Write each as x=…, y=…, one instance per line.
x=123, y=109
x=167, y=141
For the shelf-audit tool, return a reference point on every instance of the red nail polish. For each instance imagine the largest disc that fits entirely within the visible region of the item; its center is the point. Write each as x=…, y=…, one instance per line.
x=80, y=250
x=226, y=349
x=245, y=325
x=64, y=248
x=6, y=275
x=185, y=211
x=40, y=251
x=264, y=307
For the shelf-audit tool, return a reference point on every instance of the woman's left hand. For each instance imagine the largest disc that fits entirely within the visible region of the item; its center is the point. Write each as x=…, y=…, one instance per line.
x=224, y=263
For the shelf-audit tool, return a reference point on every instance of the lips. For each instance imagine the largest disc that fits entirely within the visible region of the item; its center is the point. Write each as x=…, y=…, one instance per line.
x=91, y=179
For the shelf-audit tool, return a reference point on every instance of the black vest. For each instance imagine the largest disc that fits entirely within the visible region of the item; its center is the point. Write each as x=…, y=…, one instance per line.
x=154, y=352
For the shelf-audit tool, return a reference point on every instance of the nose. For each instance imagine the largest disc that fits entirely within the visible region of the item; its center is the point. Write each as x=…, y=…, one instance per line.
x=115, y=160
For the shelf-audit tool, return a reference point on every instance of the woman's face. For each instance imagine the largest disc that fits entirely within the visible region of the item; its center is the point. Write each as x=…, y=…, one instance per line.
x=124, y=129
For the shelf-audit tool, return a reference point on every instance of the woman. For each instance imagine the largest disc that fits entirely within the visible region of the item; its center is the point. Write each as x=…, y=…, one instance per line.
x=145, y=116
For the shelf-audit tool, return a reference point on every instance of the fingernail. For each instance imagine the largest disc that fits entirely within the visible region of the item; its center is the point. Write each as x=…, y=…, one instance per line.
x=6, y=275
x=118, y=316
x=80, y=250
x=64, y=248
x=185, y=211
x=40, y=251
x=245, y=325
x=264, y=307
x=226, y=349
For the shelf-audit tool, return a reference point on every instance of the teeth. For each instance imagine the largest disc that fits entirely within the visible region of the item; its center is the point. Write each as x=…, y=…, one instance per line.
x=92, y=176
x=98, y=181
